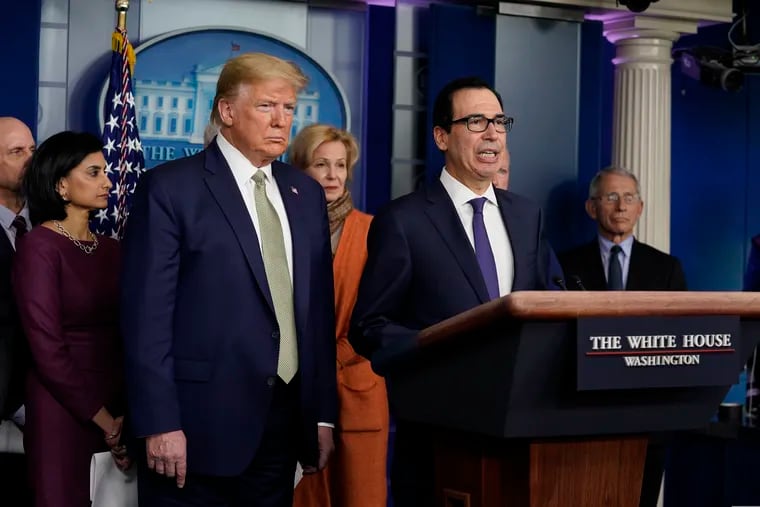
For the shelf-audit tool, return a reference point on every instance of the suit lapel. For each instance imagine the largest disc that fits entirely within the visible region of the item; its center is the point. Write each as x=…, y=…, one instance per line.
x=594, y=278
x=6, y=248
x=445, y=219
x=300, y=239
x=635, y=268
x=517, y=237
x=225, y=191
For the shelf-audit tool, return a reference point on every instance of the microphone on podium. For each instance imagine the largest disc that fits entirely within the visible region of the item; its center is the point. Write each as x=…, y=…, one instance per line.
x=577, y=281
x=559, y=282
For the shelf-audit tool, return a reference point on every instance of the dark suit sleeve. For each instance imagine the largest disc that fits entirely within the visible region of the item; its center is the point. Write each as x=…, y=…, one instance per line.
x=36, y=271
x=325, y=337
x=7, y=327
x=554, y=273
x=13, y=356
x=6, y=352
x=677, y=277
x=547, y=265
x=7, y=335
x=376, y=330
x=752, y=275
x=149, y=282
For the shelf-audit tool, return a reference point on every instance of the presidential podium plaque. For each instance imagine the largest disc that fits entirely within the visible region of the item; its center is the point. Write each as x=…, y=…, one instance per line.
x=546, y=399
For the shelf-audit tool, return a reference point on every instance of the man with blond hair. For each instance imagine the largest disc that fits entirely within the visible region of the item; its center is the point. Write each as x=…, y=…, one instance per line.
x=229, y=336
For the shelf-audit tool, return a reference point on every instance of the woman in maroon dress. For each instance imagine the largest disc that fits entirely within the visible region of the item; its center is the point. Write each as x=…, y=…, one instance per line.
x=65, y=280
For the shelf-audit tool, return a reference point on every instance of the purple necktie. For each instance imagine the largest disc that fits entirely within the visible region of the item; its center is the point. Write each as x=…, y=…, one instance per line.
x=483, y=248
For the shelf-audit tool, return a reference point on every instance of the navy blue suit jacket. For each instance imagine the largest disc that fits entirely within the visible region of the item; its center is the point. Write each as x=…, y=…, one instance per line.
x=200, y=331
x=422, y=269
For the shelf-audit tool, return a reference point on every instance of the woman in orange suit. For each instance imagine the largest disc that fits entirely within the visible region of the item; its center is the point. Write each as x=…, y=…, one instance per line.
x=356, y=474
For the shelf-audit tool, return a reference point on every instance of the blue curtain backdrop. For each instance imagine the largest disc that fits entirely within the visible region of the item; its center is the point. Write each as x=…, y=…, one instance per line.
x=461, y=43
x=19, y=52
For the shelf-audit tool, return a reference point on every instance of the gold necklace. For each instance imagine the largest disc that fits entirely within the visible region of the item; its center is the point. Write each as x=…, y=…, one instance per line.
x=88, y=249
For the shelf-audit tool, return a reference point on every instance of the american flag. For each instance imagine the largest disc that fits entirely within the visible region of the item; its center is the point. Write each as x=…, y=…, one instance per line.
x=121, y=140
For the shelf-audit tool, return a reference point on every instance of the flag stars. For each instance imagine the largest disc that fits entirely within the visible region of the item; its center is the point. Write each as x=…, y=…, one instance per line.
x=111, y=123
x=101, y=215
x=109, y=147
x=122, y=149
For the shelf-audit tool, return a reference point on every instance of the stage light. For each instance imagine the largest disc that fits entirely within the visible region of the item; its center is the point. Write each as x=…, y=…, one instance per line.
x=711, y=72
x=636, y=5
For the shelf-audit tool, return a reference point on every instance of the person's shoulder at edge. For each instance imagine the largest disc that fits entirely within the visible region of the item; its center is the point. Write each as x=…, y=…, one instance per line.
x=297, y=177
x=652, y=251
x=39, y=239
x=361, y=216
x=517, y=199
x=579, y=248
x=177, y=167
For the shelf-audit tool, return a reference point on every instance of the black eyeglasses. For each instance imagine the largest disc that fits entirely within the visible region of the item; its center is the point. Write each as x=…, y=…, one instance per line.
x=614, y=198
x=479, y=123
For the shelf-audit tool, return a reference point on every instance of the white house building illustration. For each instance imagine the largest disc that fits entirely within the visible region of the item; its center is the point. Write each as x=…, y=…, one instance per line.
x=179, y=110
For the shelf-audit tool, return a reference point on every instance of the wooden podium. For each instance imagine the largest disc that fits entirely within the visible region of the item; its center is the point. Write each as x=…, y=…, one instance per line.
x=496, y=385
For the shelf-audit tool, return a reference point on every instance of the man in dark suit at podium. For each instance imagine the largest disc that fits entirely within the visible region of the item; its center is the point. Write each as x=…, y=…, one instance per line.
x=615, y=260
x=446, y=248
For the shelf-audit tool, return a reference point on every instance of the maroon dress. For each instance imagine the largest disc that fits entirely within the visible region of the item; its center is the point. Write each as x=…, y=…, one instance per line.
x=68, y=302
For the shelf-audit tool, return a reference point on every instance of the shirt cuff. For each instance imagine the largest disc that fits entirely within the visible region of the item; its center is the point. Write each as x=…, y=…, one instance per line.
x=326, y=425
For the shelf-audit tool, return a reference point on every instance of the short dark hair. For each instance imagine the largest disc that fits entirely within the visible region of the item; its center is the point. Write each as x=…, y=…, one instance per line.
x=53, y=160
x=442, y=108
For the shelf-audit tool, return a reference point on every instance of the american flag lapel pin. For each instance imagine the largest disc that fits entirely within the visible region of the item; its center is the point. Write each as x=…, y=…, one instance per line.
x=294, y=190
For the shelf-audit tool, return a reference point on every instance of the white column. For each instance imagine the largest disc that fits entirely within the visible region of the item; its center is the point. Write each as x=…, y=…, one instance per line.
x=641, y=112
x=641, y=124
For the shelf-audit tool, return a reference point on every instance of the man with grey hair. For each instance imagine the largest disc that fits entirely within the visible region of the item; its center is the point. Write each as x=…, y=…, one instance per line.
x=615, y=203
x=615, y=260
x=230, y=338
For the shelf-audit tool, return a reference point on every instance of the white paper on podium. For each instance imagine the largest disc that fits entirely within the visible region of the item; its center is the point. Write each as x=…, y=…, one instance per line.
x=299, y=474
x=109, y=486
x=11, y=438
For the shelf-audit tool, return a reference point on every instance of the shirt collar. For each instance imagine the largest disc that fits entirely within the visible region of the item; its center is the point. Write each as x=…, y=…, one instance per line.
x=242, y=168
x=460, y=194
x=7, y=216
x=626, y=245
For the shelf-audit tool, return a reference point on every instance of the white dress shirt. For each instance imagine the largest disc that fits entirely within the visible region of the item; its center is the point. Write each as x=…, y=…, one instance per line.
x=243, y=170
x=498, y=236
